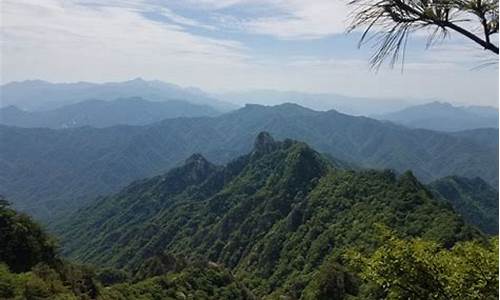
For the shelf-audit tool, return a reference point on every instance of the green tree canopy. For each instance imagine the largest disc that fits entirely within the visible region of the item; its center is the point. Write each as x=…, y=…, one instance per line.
x=421, y=269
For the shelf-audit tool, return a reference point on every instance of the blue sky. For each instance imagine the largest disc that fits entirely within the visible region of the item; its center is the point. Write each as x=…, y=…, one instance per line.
x=227, y=45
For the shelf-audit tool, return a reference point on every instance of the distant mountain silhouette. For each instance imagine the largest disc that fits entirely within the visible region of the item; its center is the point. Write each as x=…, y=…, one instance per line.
x=46, y=171
x=444, y=117
x=317, y=101
x=35, y=95
x=99, y=113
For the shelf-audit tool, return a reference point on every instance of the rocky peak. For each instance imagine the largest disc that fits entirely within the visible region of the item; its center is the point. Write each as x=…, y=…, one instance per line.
x=196, y=158
x=264, y=143
x=198, y=167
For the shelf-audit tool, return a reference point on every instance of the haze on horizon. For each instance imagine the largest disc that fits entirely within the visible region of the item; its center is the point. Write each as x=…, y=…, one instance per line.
x=229, y=45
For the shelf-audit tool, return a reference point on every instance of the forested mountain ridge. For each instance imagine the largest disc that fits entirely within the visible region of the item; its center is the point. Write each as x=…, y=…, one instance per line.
x=29, y=265
x=100, y=113
x=278, y=217
x=46, y=171
x=473, y=198
x=30, y=268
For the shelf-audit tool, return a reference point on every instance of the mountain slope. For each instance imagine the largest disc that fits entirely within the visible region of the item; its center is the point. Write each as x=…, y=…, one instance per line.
x=197, y=281
x=37, y=95
x=46, y=171
x=99, y=113
x=483, y=136
x=274, y=217
x=473, y=198
x=444, y=117
x=30, y=268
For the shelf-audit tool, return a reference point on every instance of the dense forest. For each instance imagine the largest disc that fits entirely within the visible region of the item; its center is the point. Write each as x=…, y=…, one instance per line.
x=284, y=159
x=70, y=167
x=282, y=222
x=473, y=198
x=30, y=268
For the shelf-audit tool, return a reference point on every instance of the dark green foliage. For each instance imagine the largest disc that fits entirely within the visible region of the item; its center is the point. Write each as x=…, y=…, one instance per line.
x=473, y=198
x=332, y=281
x=280, y=218
x=203, y=281
x=29, y=266
x=110, y=276
x=24, y=243
x=40, y=276
x=159, y=264
x=46, y=172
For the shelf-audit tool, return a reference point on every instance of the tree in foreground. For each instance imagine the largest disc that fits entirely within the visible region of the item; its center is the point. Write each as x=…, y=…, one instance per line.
x=388, y=23
x=419, y=269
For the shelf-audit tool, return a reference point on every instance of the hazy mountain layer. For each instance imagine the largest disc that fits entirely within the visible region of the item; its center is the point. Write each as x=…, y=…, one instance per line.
x=444, y=117
x=317, y=101
x=99, y=113
x=45, y=171
x=34, y=95
x=484, y=136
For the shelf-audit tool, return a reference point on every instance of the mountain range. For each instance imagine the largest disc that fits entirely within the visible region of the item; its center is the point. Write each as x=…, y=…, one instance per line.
x=38, y=95
x=48, y=101
x=444, y=117
x=100, y=113
x=31, y=268
x=46, y=171
x=281, y=218
x=317, y=101
x=281, y=222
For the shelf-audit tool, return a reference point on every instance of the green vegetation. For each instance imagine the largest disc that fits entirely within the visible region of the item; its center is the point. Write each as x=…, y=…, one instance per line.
x=45, y=282
x=281, y=219
x=31, y=269
x=24, y=243
x=199, y=281
x=420, y=269
x=46, y=172
x=473, y=198
x=29, y=266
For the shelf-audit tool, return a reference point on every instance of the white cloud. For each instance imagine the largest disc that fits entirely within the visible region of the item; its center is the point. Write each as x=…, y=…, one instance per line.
x=62, y=40
x=182, y=20
x=51, y=37
x=303, y=20
x=292, y=19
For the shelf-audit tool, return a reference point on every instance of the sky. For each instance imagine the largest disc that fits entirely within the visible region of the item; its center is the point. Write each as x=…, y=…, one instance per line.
x=230, y=45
